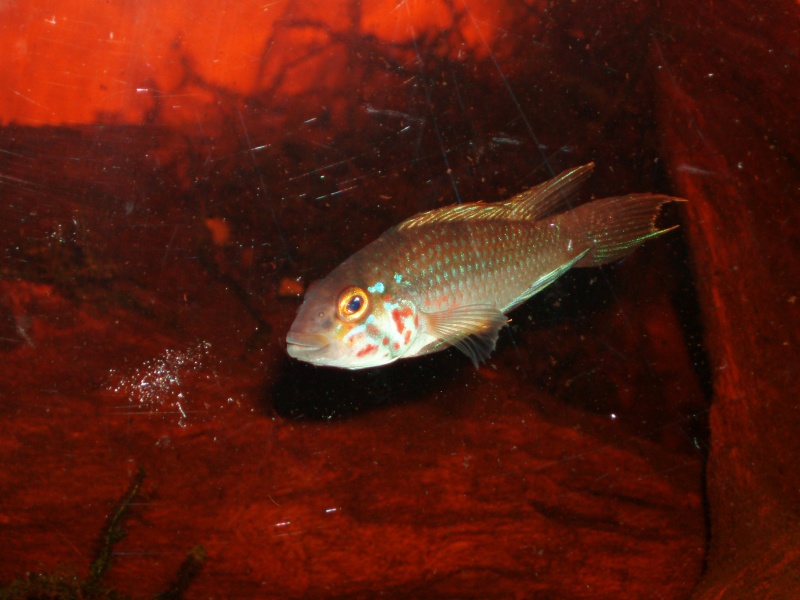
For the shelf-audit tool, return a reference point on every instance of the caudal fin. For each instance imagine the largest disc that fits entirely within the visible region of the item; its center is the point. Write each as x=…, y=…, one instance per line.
x=617, y=226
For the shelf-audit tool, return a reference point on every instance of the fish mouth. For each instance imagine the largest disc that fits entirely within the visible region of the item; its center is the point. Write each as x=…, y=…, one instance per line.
x=310, y=347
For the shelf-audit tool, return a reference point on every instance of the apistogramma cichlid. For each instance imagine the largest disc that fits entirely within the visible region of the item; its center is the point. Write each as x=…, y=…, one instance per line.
x=447, y=277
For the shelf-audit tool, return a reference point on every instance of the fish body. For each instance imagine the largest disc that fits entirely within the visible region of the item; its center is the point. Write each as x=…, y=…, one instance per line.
x=447, y=277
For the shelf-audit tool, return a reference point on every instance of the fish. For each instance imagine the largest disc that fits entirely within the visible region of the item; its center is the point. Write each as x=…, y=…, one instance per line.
x=449, y=276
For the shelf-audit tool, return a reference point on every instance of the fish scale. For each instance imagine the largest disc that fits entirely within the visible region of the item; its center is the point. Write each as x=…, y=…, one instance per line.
x=447, y=277
x=460, y=264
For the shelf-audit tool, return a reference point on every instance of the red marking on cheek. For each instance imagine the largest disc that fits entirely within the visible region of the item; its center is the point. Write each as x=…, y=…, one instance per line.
x=407, y=337
x=398, y=315
x=368, y=349
x=396, y=346
x=416, y=321
x=372, y=330
x=386, y=341
x=398, y=321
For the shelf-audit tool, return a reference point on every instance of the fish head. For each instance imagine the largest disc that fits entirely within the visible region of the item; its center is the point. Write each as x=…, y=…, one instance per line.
x=352, y=326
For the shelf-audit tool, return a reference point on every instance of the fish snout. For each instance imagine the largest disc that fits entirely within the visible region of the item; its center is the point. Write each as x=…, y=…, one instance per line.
x=310, y=347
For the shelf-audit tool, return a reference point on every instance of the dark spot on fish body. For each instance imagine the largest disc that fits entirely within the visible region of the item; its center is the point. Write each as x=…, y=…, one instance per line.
x=325, y=321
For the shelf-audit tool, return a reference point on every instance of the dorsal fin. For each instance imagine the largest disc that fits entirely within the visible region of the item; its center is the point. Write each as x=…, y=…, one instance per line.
x=548, y=197
x=531, y=204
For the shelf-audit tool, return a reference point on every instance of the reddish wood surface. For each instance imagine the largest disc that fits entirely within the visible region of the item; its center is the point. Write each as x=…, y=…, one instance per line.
x=728, y=106
x=141, y=316
x=127, y=343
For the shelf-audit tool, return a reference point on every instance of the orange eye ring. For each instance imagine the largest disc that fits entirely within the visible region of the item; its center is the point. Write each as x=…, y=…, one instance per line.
x=353, y=304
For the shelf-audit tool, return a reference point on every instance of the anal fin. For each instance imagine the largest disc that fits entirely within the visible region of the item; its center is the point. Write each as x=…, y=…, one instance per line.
x=545, y=280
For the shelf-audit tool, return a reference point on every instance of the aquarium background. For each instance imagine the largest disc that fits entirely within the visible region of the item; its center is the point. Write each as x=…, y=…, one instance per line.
x=172, y=178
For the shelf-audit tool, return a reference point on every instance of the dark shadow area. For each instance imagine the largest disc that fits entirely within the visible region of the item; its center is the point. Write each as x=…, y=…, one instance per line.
x=305, y=392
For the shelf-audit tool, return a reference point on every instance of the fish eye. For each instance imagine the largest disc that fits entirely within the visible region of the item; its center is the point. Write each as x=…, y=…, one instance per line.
x=353, y=303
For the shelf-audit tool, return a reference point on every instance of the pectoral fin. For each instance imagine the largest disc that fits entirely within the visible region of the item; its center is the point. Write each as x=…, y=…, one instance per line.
x=472, y=329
